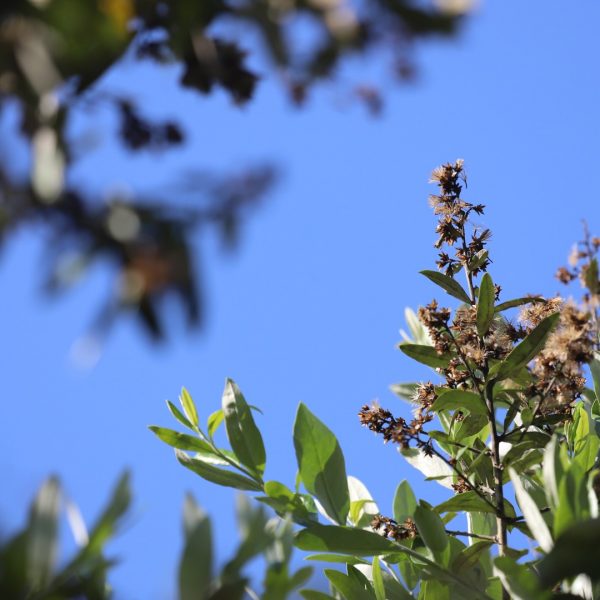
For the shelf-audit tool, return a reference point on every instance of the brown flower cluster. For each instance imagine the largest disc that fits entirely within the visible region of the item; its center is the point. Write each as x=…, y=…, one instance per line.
x=461, y=486
x=453, y=213
x=391, y=529
x=462, y=339
x=581, y=260
x=558, y=368
x=396, y=429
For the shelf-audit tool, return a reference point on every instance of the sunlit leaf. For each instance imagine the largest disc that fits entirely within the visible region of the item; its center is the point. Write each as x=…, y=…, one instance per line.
x=321, y=464
x=451, y=286
x=216, y=475
x=426, y=355
x=532, y=514
x=485, y=304
x=460, y=400
x=405, y=502
x=183, y=441
x=189, y=408
x=242, y=432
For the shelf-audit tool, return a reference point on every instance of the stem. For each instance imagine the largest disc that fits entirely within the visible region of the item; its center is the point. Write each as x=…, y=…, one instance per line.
x=468, y=274
x=501, y=536
x=489, y=538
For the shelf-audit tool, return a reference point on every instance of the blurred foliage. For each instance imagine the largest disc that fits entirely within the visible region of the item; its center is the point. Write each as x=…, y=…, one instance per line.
x=29, y=561
x=52, y=55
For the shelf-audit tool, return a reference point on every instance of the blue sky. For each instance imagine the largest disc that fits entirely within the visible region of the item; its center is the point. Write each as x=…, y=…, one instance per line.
x=309, y=307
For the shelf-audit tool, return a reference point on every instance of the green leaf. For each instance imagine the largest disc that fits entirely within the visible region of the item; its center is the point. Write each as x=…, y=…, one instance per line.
x=214, y=420
x=42, y=534
x=343, y=540
x=405, y=502
x=195, y=567
x=448, y=284
x=347, y=586
x=431, y=529
x=378, y=585
x=595, y=369
x=425, y=355
x=485, y=304
x=552, y=471
x=183, y=441
x=470, y=556
x=517, y=302
x=460, y=400
x=470, y=501
x=321, y=464
x=242, y=432
x=532, y=514
x=216, y=475
x=527, y=349
x=179, y=415
x=576, y=551
x=591, y=277
x=189, y=408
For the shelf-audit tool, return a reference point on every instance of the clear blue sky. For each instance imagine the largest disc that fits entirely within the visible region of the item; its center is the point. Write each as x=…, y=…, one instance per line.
x=309, y=308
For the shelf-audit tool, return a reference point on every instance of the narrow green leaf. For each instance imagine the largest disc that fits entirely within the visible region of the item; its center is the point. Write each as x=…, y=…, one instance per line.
x=517, y=302
x=42, y=534
x=216, y=475
x=527, y=349
x=460, y=400
x=179, y=415
x=470, y=556
x=591, y=277
x=214, y=420
x=321, y=464
x=451, y=286
x=405, y=502
x=485, y=304
x=242, y=432
x=431, y=529
x=183, y=441
x=195, y=567
x=378, y=585
x=424, y=354
x=552, y=471
x=343, y=540
x=532, y=514
x=189, y=408
x=347, y=586
x=595, y=369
